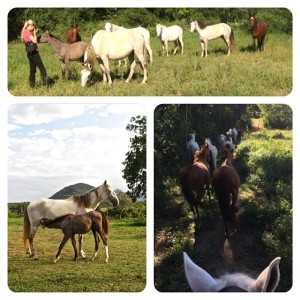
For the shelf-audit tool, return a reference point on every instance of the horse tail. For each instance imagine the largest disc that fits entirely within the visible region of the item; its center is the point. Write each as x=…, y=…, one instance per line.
x=231, y=37
x=104, y=223
x=26, y=228
x=186, y=190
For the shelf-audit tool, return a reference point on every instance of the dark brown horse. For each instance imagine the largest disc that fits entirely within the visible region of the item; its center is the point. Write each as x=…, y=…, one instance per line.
x=258, y=31
x=194, y=178
x=226, y=182
x=80, y=224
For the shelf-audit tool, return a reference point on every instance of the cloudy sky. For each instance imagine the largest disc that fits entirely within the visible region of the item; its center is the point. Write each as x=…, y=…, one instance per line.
x=51, y=146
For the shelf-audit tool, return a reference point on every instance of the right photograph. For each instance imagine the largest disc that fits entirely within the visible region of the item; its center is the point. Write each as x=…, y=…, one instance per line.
x=223, y=208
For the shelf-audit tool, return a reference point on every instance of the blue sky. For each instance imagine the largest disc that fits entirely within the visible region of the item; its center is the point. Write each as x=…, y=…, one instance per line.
x=51, y=146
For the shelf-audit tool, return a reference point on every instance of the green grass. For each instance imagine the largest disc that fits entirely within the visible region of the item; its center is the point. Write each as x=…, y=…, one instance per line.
x=243, y=73
x=125, y=271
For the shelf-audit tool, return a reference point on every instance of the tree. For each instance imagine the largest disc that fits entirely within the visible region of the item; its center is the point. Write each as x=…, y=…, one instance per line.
x=135, y=162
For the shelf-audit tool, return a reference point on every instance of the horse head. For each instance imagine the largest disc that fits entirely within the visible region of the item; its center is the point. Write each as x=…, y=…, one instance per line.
x=158, y=30
x=107, y=194
x=202, y=155
x=108, y=27
x=201, y=281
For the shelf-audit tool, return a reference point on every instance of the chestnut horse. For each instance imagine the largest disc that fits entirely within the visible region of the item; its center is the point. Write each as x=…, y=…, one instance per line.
x=72, y=35
x=258, y=31
x=80, y=224
x=194, y=177
x=226, y=182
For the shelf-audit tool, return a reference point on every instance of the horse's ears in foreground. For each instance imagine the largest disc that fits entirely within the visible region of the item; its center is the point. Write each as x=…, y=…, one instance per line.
x=201, y=281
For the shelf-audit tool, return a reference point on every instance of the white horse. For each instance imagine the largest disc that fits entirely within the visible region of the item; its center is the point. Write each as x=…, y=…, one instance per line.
x=192, y=146
x=113, y=45
x=109, y=27
x=173, y=34
x=213, y=150
x=232, y=132
x=226, y=140
x=53, y=208
x=207, y=33
x=201, y=281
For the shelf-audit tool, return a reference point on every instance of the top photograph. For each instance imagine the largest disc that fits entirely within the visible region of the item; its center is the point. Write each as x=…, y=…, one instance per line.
x=150, y=52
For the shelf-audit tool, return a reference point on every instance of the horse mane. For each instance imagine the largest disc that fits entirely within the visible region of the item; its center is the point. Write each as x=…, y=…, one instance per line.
x=84, y=200
x=201, y=25
x=90, y=57
x=55, y=37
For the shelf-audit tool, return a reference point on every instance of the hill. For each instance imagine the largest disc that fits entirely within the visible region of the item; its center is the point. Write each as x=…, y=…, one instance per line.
x=71, y=190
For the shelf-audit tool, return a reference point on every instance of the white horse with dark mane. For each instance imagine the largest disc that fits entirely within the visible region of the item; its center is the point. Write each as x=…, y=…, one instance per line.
x=109, y=27
x=207, y=33
x=52, y=209
x=172, y=33
x=114, y=45
x=201, y=281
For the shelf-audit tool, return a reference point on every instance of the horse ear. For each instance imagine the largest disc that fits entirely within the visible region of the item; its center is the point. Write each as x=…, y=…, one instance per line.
x=198, y=279
x=268, y=279
x=105, y=182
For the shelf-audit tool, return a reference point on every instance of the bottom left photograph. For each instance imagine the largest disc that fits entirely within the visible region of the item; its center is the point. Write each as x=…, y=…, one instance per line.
x=76, y=198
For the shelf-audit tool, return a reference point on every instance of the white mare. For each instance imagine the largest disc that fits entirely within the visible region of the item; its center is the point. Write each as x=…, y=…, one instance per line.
x=113, y=45
x=207, y=33
x=141, y=30
x=201, y=281
x=192, y=146
x=172, y=33
x=213, y=150
x=53, y=208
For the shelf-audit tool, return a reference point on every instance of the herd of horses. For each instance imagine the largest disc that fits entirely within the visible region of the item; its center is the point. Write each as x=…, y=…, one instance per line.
x=202, y=172
x=117, y=43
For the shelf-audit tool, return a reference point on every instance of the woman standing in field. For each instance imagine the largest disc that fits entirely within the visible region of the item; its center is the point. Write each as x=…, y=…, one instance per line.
x=28, y=36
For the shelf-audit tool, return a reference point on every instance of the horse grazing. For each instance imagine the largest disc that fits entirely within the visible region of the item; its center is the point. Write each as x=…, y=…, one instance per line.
x=207, y=33
x=173, y=34
x=64, y=51
x=113, y=45
x=192, y=146
x=72, y=35
x=258, y=31
x=109, y=27
x=52, y=209
x=80, y=224
x=201, y=281
x=193, y=179
x=214, y=153
x=226, y=183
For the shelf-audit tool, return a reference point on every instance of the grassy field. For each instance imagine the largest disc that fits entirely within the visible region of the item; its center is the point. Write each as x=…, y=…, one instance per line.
x=125, y=271
x=243, y=73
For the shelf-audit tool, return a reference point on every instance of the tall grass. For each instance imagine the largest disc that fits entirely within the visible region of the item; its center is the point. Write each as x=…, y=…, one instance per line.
x=125, y=271
x=243, y=73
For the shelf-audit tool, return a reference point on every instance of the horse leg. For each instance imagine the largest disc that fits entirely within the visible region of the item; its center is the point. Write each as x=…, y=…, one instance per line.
x=107, y=71
x=30, y=251
x=254, y=44
x=132, y=66
x=181, y=44
x=67, y=62
x=176, y=47
x=96, y=238
x=74, y=246
x=80, y=242
x=63, y=69
x=61, y=246
x=205, y=46
x=227, y=41
x=166, y=48
x=202, y=48
x=103, y=72
x=143, y=63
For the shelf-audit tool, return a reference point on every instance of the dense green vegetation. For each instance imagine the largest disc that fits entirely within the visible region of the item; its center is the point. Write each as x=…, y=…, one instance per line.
x=264, y=163
x=245, y=72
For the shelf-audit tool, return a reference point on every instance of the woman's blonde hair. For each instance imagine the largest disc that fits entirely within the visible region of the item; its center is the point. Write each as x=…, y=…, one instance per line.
x=26, y=24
